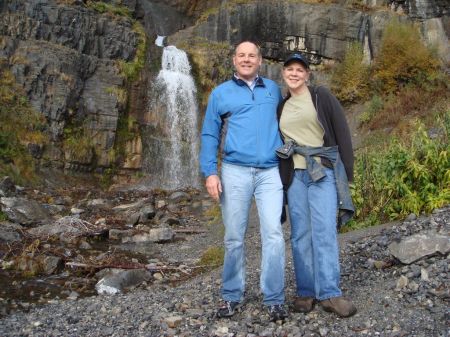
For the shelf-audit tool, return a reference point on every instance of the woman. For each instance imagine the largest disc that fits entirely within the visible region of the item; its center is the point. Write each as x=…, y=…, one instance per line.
x=316, y=137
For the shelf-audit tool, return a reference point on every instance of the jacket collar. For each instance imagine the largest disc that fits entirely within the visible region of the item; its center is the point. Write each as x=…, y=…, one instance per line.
x=259, y=81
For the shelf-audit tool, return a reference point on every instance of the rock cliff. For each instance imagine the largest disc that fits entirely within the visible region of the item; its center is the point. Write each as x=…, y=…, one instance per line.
x=71, y=56
x=66, y=59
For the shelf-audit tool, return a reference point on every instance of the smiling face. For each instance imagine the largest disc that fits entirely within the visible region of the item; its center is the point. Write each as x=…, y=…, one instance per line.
x=247, y=60
x=295, y=75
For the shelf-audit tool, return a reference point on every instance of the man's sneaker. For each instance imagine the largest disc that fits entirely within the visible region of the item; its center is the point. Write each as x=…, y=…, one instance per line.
x=227, y=309
x=339, y=305
x=277, y=312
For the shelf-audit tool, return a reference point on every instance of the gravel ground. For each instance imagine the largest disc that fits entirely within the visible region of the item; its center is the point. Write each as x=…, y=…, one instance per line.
x=392, y=299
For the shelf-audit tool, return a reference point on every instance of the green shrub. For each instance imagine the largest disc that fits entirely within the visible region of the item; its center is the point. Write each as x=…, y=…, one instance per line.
x=350, y=80
x=214, y=213
x=107, y=178
x=373, y=106
x=130, y=70
x=103, y=7
x=409, y=175
x=213, y=256
x=77, y=142
x=414, y=100
x=19, y=126
x=3, y=216
x=403, y=58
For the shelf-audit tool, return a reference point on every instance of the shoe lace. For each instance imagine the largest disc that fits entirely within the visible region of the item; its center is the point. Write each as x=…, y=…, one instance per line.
x=276, y=308
x=229, y=306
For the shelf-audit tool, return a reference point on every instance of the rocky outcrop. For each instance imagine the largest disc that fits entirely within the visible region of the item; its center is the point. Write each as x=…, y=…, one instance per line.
x=321, y=31
x=66, y=59
x=419, y=9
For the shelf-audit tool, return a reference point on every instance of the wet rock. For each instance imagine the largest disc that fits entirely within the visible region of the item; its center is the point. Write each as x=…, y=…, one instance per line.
x=133, y=206
x=7, y=186
x=170, y=221
x=54, y=229
x=50, y=264
x=100, y=222
x=144, y=248
x=54, y=209
x=133, y=219
x=179, y=196
x=75, y=210
x=147, y=213
x=117, y=280
x=99, y=203
x=118, y=234
x=158, y=235
x=161, y=235
x=10, y=232
x=160, y=203
x=73, y=296
x=84, y=245
x=24, y=211
x=415, y=247
x=67, y=228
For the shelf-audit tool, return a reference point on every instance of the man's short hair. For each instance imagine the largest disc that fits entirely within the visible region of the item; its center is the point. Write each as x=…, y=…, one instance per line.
x=258, y=48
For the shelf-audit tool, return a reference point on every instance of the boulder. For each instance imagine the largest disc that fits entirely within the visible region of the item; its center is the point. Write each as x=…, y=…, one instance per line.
x=24, y=211
x=417, y=246
x=118, y=279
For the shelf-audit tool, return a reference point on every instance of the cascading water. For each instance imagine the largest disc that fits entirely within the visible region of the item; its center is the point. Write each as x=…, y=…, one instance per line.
x=172, y=143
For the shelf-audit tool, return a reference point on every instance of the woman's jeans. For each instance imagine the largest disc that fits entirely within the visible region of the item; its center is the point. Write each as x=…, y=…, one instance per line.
x=312, y=213
x=240, y=184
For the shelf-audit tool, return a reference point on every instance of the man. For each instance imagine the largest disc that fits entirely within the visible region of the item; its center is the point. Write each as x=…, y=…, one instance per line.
x=241, y=118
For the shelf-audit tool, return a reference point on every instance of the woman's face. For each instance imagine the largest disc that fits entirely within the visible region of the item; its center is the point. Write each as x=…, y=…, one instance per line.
x=295, y=76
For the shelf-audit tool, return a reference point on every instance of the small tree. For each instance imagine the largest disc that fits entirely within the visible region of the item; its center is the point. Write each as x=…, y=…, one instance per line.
x=403, y=58
x=350, y=80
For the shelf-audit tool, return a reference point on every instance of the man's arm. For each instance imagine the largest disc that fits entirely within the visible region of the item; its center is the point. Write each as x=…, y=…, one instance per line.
x=210, y=139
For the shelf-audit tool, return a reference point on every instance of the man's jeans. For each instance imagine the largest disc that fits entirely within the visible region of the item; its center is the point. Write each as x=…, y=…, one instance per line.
x=312, y=213
x=240, y=184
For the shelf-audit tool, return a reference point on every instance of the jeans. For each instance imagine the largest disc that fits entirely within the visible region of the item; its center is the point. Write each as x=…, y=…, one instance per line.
x=312, y=212
x=239, y=185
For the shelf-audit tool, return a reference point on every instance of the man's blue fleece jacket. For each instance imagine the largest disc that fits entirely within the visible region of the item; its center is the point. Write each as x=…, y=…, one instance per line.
x=243, y=122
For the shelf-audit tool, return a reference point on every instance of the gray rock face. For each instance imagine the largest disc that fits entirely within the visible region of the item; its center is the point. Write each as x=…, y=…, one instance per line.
x=76, y=28
x=65, y=59
x=419, y=9
x=320, y=31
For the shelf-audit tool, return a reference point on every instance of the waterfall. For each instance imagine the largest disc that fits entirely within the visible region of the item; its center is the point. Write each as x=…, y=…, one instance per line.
x=173, y=142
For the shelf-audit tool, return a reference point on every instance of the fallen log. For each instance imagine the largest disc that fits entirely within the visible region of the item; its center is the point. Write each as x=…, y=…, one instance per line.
x=190, y=230
x=149, y=267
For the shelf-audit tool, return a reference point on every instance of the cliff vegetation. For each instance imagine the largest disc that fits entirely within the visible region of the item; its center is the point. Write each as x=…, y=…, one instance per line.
x=21, y=130
x=404, y=165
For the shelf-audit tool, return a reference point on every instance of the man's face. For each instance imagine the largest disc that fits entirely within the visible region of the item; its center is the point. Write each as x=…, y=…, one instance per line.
x=247, y=61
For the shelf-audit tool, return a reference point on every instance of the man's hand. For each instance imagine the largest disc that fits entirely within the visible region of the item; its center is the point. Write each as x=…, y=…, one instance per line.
x=214, y=186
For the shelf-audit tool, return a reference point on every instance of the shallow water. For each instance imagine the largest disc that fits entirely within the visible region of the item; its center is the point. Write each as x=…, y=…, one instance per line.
x=18, y=292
